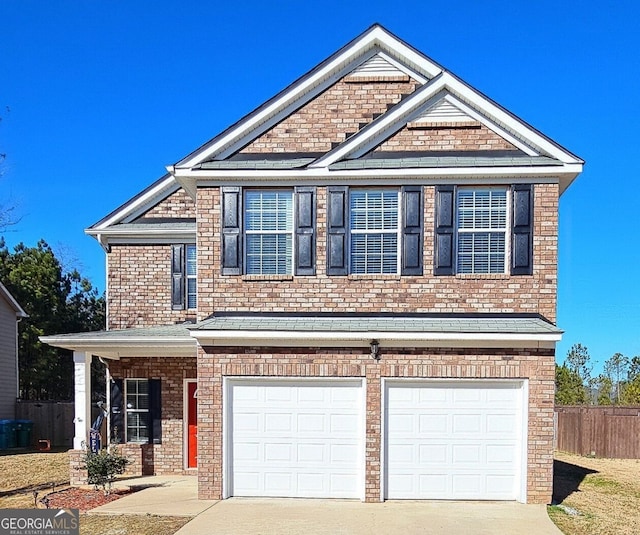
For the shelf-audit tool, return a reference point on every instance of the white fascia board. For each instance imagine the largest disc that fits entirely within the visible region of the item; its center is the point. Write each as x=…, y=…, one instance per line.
x=140, y=205
x=207, y=177
x=362, y=339
x=358, y=52
x=116, y=348
x=155, y=236
x=508, y=120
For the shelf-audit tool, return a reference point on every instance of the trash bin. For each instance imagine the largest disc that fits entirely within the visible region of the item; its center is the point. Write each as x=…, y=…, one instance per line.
x=23, y=433
x=8, y=431
x=3, y=436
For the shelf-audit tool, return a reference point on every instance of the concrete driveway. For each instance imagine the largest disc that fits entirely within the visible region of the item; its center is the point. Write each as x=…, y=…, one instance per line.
x=174, y=496
x=334, y=517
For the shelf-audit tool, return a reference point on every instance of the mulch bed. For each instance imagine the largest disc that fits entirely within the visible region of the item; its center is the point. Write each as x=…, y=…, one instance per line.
x=83, y=499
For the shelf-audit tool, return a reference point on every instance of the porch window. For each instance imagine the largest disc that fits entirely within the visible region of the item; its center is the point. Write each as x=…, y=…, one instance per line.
x=137, y=410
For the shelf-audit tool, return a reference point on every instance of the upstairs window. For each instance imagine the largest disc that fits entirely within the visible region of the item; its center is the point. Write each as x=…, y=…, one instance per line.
x=191, y=274
x=184, y=277
x=268, y=223
x=484, y=230
x=268, y=231
x=373, y=218
x=481, y=216
x=374, y=231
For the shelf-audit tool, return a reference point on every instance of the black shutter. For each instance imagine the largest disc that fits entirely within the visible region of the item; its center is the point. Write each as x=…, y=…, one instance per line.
x=305, y=254
x=337, y=235
x=444, y=231
x=412, y=219
x=231, y=230
x=116, y=416
x=522, y=236
x=155, y=412
x=177, y=277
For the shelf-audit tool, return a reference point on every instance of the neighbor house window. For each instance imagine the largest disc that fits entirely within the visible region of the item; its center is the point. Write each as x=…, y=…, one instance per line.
x=137, y=410
x=373, y=219
x=481, y=225
x=268, y=224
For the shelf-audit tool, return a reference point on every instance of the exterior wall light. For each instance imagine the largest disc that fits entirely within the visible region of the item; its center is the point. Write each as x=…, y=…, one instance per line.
x=375, y=349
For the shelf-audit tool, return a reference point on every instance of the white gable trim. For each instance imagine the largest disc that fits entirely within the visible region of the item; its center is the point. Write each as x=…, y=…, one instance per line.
x=373, y=134
x=138, y=206
x=362, y=49
x=363, y=69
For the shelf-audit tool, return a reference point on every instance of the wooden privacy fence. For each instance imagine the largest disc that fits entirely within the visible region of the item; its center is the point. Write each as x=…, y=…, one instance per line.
x=52, y=420
x=610, y=432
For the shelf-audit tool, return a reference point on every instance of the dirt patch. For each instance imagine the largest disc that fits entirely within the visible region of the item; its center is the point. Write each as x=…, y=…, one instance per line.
x=603, y=492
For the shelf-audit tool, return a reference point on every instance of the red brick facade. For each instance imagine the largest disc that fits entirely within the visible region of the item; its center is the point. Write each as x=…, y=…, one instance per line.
x=380, y=293
x=140, y=281
x=342, y=109
x=216, y=363
x=445, y=138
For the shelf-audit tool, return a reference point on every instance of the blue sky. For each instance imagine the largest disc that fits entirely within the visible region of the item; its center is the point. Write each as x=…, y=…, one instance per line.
x=102, y=95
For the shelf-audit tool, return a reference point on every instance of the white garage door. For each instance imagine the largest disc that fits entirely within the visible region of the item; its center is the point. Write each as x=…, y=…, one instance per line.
x=454, y=440
x=299, y=439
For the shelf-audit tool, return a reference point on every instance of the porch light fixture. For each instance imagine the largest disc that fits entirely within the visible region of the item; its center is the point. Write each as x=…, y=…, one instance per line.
x=375, y=349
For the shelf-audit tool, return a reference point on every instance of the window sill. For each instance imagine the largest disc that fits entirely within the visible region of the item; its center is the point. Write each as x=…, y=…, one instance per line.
x=371, y=276
x=483, y=276
x=260, y=278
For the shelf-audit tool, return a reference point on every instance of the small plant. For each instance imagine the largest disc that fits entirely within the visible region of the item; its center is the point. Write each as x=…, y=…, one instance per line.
x=104, y=466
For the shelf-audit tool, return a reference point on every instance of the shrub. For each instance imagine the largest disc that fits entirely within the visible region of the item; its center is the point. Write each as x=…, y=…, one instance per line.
x=104, y=466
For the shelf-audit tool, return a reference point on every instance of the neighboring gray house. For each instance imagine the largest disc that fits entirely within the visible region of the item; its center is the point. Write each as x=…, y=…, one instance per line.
x=10, y=314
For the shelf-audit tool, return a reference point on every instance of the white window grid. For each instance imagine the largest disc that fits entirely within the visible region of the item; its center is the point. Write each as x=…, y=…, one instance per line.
x=374, y=220
x=269, y=234
x=191, y=270
x=137, y=410
x=482, y=223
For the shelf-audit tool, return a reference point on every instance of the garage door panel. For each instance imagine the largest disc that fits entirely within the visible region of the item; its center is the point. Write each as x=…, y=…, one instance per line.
x=467, y=424
x=307, y=440
x=457, y=440
x=247, y=451
x=501, y=423
x=433, y=424
x=466, y=454
x=501, y=453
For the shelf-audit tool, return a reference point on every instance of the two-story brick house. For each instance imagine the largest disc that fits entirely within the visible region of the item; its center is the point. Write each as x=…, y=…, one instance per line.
x=351, y=292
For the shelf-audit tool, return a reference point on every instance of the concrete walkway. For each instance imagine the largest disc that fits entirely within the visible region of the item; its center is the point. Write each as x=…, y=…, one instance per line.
x=176, y=496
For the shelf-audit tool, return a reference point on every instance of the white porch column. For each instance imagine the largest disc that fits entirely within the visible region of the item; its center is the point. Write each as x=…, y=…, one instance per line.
x=82, y=391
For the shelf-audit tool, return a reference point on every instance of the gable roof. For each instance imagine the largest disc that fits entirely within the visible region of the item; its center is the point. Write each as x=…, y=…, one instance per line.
x=439, y=97
x=12, y=302
x=439, y=91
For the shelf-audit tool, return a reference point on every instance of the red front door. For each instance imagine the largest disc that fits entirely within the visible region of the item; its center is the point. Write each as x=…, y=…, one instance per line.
x=192, y=424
